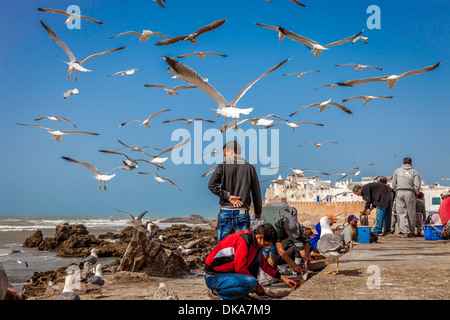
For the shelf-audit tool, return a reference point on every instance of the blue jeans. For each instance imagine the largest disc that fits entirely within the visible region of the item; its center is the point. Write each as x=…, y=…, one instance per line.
x=231, y=221
x=383, y=215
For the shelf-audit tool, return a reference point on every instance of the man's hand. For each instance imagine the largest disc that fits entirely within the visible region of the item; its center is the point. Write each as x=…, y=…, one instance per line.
x=289, y=282
x=365, y=212
x=234, y=200
x=298, y=269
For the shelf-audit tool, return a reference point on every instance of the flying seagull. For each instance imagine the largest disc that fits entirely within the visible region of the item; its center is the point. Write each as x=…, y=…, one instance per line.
x=160, y=179
x=135, y=221
x=170, y=92
x=70, y=92
x=97, y=175
x=157, y=159
x=57, y=134
x=142, y=36
x=327, y=85
x=56, y=119
x=70, y=16
x=23, y=262
x=390, y=80
x=160, y=2
x=293, y=125
x=261, y=122
x=225, y=108
x=299, y=3
x=316, y=144
x=358, y=67
x=300, y=74
x=323, y=105
x=189, y=121
x=279, y=181
x=74, y=64
x=299, y=171
x=193, y=36
x=315, y=47
x=129, y=162
x=137, y=149
x=281, y=35
x=146, y=121
x=367, y=98
x=201, y=55
x=209, y=172
x=356, y=173
x=364, y=39
x=128, y=72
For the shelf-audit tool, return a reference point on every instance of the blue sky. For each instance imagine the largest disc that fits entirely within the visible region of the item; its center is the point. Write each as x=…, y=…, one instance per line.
x=36, y=181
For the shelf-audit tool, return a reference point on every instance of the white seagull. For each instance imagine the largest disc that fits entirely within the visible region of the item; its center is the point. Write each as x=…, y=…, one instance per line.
x=92, y=258
x=57, y=134
x=259, y=122
x=316, y=144
x=390, y=80
x=315, y=47
x=367, y=98
x=364, y=39
x=189, y=121
x=201, y=55
x=299, y=171
x=169, y=91
x=157, y=159
x=70, y=16
x=330, y=245
x=293, y=125
x=323, y=105
x=97, y=281
x=129, y=162
x=97, y=175
x=56, y=119
x=146, y=121
x=279, y=181
x=68, y=292
x=74, y=64
x=281, y=35
x=160, y=179
x=358, y=67
x=135, y=221
x=226, y=109
x=300, y=74
x=70, y=92
x=142, y=36
x=327, y=85
x=193, y=36
x=137, y=149
x=128, y=72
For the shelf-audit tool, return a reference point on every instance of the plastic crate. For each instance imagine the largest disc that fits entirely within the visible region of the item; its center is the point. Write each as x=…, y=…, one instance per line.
x=364, y=234
x=431, y=233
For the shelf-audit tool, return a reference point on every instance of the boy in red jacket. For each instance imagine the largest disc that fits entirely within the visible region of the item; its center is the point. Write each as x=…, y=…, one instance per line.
x=232, y=266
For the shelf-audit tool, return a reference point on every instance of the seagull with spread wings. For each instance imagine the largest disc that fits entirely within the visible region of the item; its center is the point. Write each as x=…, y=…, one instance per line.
x=70, y=92
x=316, y=144
x=128, y=72
x=193, y=36
x=201, y=55
x=157, y=159
x=390, y=80
x=358, y=67
x=56, y=119
x=314, y=46
x=300, y=74
x=323, y=105
x=142, y=36
x=146, y=121
x=170, y=92
x=160, y=179
x=225, y=108
x=137, y=149
x=74, y=64
x=57, y=134
x=130, y=162
x=299, y=171
x=261, y=122
x=189, y=121
x=279, y=181
x=70, y=16
x=135, y=221
x=294, y=125
x=97, y=175
x=367, y=98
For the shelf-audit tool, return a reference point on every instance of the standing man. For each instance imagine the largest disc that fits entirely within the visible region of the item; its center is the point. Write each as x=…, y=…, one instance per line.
x=236, y=183
x=406, y=184
x=380, y=196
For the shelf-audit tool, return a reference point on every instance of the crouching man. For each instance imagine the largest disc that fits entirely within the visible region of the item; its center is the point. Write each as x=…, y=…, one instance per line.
x=232, y=266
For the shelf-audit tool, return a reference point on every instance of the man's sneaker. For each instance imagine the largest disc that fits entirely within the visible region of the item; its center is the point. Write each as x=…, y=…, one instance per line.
x=212, y=295
x=267, y=282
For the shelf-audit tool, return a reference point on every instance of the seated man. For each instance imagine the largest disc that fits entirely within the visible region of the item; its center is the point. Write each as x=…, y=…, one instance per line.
x=232, y=266
x=291, y=238
x=444, y=213
x=350, y=233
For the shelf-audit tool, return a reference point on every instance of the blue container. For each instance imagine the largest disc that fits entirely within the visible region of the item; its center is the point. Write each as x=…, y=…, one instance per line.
x=364, y=234
x=431, y=233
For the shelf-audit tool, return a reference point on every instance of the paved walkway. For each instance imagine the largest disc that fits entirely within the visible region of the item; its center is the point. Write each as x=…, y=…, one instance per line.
x=395, y=268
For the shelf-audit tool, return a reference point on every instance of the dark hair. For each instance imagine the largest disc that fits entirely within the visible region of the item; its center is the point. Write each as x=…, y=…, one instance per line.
x=356, y=188
x=420, y=195
x=232, y=145
x=407, y=160
x=268, y=231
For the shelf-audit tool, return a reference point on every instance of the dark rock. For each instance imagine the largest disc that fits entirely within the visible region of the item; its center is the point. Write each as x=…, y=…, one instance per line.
x=108, y=235
x=34, y=240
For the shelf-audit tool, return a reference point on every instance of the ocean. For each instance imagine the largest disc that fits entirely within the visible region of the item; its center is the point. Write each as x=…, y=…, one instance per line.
x=15, y=230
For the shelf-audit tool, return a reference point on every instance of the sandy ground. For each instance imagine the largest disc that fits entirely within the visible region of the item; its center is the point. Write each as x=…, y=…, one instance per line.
x=392, y=269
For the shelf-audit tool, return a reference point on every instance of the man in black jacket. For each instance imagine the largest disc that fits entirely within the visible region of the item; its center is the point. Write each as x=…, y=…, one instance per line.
x=236, y=183
x=380, y=196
